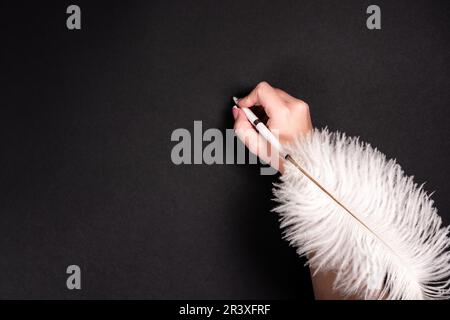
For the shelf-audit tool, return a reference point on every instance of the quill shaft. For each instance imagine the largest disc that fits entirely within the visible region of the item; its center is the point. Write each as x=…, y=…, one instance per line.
x=306, y=174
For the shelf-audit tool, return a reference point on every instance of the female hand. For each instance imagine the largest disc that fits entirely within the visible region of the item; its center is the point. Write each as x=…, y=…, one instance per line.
x=288, y=118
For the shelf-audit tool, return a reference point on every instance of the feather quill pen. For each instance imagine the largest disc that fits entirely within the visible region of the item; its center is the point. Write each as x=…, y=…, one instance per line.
x=386, y=242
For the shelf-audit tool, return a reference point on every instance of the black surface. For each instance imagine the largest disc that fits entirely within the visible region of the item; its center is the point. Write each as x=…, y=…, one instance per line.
x=86, y=118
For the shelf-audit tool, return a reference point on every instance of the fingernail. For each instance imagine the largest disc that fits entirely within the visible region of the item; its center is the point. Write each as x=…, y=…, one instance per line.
x=235, y=112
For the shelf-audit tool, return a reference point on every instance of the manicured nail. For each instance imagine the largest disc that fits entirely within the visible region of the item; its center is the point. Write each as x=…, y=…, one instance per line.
x=235, y=112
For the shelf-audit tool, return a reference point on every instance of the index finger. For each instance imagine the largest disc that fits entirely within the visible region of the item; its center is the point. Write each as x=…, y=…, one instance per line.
x=264, y=95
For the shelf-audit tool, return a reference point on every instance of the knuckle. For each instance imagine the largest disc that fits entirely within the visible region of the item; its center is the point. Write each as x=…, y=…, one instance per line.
x=263, y=85
x=301, y=104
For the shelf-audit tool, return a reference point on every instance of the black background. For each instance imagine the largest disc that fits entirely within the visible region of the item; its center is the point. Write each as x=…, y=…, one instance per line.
x=86, y=119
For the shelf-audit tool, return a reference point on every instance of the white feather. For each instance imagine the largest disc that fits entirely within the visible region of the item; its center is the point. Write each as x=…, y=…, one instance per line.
x=403, y=256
